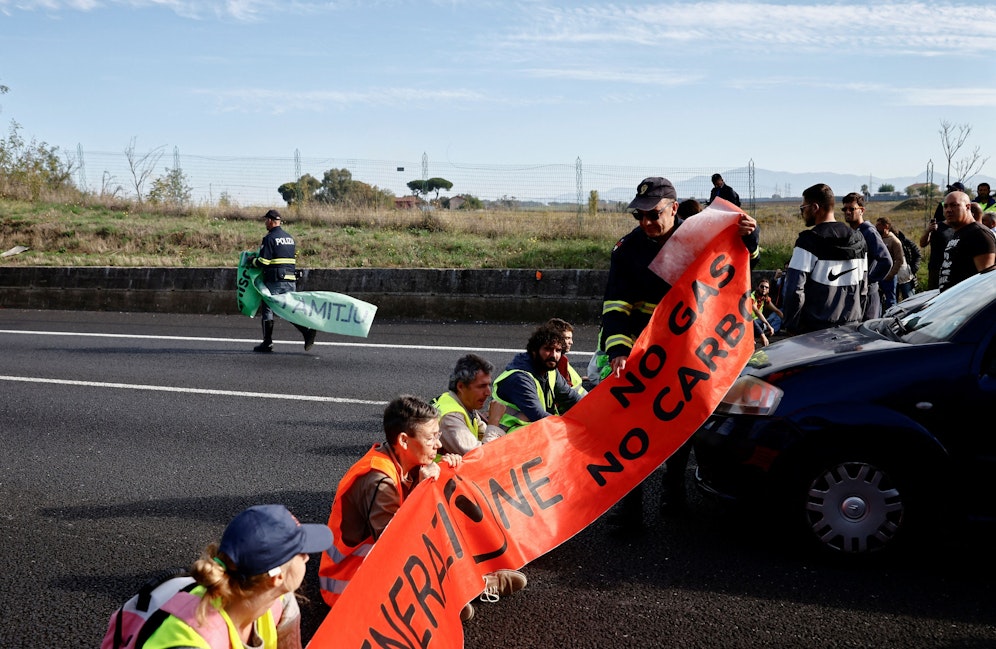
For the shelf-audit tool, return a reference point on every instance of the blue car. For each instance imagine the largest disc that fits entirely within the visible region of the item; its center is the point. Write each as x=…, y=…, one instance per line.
x=861, y=436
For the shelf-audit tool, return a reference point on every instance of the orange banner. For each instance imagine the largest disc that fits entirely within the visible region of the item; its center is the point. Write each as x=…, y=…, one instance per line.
x=524, y=494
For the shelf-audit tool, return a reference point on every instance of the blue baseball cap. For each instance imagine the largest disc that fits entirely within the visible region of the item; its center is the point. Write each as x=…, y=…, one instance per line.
x=266, y=536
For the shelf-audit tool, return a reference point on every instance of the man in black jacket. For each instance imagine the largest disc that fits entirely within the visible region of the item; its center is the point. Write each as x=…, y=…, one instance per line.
x=826, y=283
x=721, y=190
x=632, y=293
x=277, y=257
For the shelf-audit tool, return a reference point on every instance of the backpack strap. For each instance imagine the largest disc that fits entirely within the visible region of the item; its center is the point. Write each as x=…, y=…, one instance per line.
x=145, y=592
x=184, y=607
x=156, y=619
x=144, y=600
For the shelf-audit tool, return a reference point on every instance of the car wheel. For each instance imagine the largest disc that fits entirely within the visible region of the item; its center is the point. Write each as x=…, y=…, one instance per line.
x=855, y=507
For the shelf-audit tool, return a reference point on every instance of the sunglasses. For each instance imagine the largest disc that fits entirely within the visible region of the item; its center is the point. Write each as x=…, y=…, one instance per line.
x=650, y=215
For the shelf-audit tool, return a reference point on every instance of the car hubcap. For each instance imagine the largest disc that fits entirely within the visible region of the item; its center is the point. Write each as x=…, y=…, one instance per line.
x=854, y=507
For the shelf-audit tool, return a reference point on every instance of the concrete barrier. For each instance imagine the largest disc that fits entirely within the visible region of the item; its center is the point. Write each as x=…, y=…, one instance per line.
x=421, y=294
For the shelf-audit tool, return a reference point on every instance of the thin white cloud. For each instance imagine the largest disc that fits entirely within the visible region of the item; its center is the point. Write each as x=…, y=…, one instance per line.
x=280, y=102
x=952, y=97
x=652, y=77
x=916, y=27
x=955, y=97
x=241, y=10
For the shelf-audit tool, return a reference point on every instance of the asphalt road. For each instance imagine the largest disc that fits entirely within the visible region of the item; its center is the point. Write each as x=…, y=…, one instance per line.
x=127, y=441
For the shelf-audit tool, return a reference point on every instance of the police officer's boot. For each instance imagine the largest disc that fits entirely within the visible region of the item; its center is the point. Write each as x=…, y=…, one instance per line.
x=267, y=345
x=674, y=495
x=309, y=336
x=627, y=516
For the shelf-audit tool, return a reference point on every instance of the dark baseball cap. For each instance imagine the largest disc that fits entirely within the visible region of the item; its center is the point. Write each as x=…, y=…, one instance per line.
x=650, y=192
x=266, y=536
x=956, y=187
x=272, y=215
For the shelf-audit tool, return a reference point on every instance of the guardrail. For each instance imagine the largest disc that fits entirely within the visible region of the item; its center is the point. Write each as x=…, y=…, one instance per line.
x=509, y=295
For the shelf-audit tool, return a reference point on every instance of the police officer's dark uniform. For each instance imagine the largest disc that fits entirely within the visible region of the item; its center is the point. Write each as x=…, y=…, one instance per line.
x=277, y=257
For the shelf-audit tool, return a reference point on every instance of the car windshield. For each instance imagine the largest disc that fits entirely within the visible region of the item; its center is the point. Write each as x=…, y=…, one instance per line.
x=946, y=313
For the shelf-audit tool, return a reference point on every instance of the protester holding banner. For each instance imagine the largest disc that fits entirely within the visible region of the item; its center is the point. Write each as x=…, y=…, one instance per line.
x=461, y=425
x=520, y=496
x=277, y=258
x=531, y=388
x=632, y=293
x=373, y=490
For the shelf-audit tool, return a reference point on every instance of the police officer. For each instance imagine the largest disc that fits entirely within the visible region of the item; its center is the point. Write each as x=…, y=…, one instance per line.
x=631, y=295
x=277, y=255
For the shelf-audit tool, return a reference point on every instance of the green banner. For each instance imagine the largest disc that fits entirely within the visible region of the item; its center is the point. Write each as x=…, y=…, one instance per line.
x=246, y=294
x=322, y=310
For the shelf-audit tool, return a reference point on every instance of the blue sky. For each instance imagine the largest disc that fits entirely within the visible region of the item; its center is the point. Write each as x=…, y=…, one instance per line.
x=845, y=87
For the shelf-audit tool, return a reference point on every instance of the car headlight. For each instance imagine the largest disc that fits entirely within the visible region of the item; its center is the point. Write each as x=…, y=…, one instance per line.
x=750, y=395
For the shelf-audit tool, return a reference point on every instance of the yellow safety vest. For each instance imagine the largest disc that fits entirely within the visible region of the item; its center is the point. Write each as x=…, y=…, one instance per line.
x=510, y=420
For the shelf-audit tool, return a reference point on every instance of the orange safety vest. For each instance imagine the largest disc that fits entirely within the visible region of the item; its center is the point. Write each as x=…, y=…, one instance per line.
x=340, y=562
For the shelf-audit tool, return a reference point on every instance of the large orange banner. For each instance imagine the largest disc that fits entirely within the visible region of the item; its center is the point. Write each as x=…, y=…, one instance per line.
x=520, y=496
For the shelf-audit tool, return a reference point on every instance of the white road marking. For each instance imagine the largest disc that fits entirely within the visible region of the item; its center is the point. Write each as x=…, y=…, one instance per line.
x=574, y=353
x=233, y=393
x=167, y=388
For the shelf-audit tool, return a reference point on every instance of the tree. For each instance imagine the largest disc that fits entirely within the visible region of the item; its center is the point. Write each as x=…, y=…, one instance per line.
x=142, y=166
x=171, y=189
x=300, y=191
x=885, y=188
x=423, y=187
x=926, y=190
x=471, y=202
x=593, y=202
x=339, y=188
x=953, y=138
x=335, y=186
x=31, y=168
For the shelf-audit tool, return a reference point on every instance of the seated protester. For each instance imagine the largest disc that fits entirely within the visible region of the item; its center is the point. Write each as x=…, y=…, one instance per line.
x=564, y=366
x=373, y=490
x=531, y=388
x=461, y=425
x=767, y=303
x=242, y=593
x=761, y=324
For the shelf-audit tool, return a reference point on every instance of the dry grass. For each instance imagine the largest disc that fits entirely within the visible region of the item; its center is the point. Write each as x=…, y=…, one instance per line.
x=91, y=232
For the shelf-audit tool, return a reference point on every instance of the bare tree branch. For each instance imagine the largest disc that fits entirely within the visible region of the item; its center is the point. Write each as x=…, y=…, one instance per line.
x=953, y=137
x=970, y=165
x=142, y=166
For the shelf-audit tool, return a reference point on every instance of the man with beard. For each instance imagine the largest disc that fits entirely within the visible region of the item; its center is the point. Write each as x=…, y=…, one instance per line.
x=531, y=388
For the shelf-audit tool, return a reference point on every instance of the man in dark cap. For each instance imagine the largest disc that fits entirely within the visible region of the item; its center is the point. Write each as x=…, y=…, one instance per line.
x=278, y=258
x=631, y=294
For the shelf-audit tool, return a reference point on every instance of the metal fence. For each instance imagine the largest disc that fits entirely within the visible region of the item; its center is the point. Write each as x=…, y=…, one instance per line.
x=254, y=181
